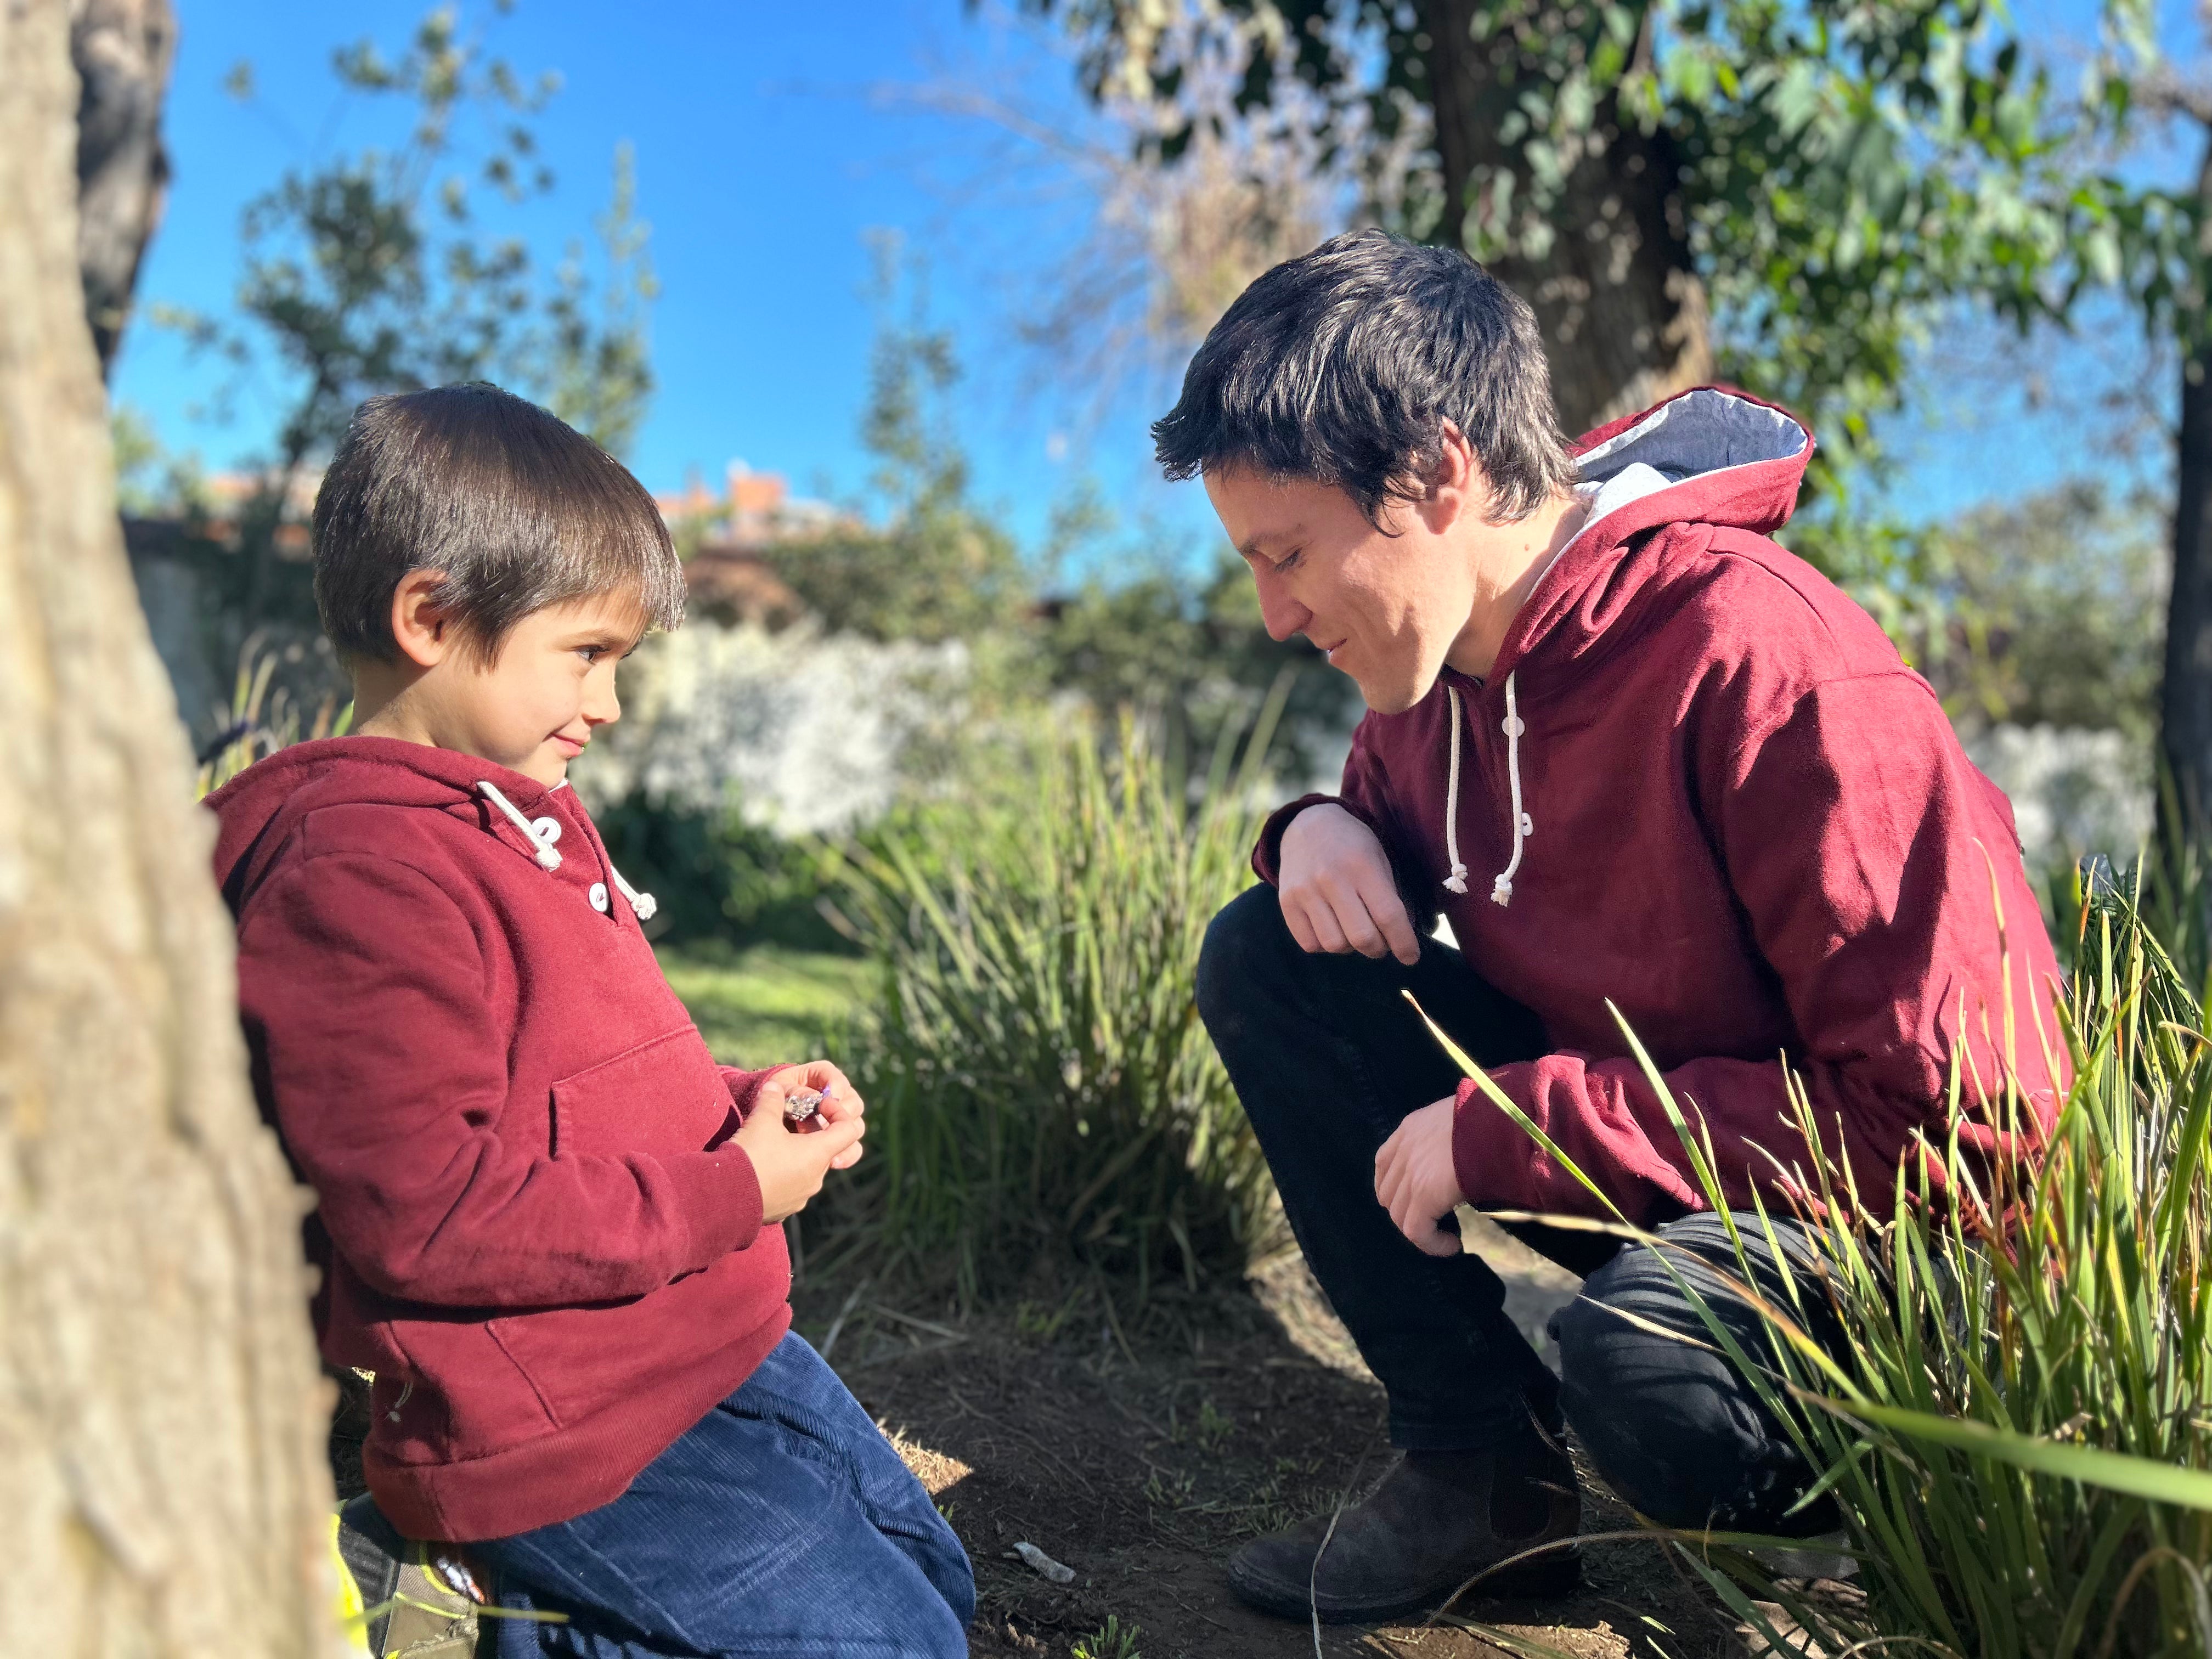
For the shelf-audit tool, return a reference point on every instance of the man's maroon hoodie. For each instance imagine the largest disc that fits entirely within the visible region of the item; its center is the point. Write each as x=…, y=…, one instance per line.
x=1700, y=782
x=530, y=1224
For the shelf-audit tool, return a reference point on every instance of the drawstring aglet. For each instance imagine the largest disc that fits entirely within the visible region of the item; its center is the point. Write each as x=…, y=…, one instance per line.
x=1456, y=882
x=1501, y=890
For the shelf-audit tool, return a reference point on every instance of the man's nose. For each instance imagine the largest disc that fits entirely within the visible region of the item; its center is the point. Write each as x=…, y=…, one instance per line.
x=1282, y=615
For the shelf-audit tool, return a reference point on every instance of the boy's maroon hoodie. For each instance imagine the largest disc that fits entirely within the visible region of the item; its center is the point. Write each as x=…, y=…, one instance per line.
x=1725, y=804
x=531, y=1226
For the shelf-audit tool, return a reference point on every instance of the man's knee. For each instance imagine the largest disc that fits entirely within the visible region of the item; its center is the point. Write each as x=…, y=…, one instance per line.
x=1670, y=1425
x=1244, y=946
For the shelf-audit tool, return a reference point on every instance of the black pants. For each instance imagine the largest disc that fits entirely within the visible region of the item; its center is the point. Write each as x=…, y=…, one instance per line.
x=1327, y=1058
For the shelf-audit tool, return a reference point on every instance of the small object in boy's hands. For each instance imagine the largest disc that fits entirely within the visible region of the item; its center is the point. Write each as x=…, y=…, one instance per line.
x=1030, y=1555
x=802, y=1106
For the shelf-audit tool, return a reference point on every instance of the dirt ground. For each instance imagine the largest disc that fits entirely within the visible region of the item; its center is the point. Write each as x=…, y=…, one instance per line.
x=1139, y=1446
x=1141, y=1449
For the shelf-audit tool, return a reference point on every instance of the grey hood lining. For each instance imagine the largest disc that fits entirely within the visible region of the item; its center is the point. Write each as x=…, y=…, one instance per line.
x=1702, y=431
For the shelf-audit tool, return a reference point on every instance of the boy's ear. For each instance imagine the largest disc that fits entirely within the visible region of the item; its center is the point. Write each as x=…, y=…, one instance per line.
x=420, y=627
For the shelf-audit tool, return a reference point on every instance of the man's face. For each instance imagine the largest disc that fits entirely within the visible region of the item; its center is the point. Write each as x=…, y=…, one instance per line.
x=1386, y=608
x=533, y=710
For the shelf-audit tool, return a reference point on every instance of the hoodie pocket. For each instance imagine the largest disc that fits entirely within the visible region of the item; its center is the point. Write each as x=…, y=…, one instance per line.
x=667, y=1094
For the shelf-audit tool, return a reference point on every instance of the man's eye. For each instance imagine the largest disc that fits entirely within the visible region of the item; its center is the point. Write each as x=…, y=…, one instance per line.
x=1288, y=560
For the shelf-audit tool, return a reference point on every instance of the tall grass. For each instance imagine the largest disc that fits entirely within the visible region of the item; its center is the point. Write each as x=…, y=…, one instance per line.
x=1037, y=1076
x=2018, y=1428
x=259, y=721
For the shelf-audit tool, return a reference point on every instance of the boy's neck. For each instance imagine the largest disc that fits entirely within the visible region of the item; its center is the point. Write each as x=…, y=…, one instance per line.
x=383, y=705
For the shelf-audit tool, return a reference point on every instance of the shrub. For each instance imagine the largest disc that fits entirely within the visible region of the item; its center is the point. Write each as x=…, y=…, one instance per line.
x=715, y=875
x=1037, y=1076
x=2019, y=1431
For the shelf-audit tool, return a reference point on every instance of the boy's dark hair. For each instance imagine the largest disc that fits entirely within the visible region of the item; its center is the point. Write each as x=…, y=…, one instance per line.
x=517, y=509
x=1342, y=365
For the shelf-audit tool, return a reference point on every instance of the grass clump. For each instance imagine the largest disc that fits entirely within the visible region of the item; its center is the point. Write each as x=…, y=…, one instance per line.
x=1037, y=1076
x=2018, y=1426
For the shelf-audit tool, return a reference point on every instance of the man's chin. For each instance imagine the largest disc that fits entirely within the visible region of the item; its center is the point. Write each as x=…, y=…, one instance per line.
x=1395, y=697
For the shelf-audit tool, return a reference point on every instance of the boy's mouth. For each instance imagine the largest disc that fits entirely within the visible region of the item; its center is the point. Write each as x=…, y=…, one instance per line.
x=569, y=747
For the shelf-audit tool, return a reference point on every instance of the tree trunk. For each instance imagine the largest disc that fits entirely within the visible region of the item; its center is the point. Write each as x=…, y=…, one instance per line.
x=123, y=50
x=2185, y=696
x=1622, y=310
x=160, y=1417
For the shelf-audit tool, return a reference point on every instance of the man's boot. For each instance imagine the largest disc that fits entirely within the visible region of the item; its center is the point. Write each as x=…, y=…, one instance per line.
x=1434, y=1522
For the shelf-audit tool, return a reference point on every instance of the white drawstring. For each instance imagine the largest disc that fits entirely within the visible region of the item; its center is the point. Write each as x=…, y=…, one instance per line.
x=642, y=904
x=1456, y=881
x=541, y=844
x=1501, y=888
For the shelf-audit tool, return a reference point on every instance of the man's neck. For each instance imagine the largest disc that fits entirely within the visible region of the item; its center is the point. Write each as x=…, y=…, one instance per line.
x=1509, y=560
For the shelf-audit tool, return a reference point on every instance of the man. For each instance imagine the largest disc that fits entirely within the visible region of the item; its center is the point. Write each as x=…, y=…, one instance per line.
x=1637, y=755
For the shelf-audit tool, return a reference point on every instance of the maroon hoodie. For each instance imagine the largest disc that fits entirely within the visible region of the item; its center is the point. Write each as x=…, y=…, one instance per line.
x=1700, y=782
x=529, y=1225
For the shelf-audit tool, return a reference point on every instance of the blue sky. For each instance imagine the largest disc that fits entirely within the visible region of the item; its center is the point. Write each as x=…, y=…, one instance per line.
x=766, y=157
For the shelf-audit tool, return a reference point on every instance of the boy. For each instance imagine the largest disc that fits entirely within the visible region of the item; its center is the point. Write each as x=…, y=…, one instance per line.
x=546, y=1221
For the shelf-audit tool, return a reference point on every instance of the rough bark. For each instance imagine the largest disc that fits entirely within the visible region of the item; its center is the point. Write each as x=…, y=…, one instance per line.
x=166, y=1495
x=1622, y=310
x=123, y=50
x=2185, y=697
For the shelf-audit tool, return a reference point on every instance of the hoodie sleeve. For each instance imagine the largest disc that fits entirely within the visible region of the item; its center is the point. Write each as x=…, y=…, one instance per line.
x=1864, y=852
x=419, y=1189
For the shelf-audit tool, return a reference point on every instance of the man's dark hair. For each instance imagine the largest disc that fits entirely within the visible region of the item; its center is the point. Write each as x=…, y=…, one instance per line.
x=513, y=507
x=1342, y=365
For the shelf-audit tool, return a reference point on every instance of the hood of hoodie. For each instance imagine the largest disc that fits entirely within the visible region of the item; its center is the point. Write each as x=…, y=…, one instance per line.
x=258, y=812
x=1712, y=456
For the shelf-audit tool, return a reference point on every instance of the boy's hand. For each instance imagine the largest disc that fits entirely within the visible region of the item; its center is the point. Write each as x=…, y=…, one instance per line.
x=790, y=1163
x=1415, y=1180
x=839, y=1100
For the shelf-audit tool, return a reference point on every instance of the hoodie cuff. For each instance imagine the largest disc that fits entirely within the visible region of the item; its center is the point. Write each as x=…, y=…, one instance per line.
x=1496, y=1162
x=1268, y=851
x=744, y=1086
x=720, y=1192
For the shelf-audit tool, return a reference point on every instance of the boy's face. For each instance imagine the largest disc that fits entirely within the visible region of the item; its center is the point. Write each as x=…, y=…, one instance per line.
x=1386, y=609
x=533, y=710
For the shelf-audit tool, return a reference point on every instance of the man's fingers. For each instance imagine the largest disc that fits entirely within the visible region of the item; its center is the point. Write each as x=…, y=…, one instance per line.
x=1327, y=930
x=1294, y=918
x=1439, y=1242
x=1397, y=927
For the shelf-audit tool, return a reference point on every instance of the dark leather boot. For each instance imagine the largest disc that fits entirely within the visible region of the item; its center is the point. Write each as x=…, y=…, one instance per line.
x=1435, y=1521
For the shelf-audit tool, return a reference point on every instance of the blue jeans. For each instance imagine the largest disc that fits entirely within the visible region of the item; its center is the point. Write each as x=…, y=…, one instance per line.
x=1328, y=1059
x=782, y=1523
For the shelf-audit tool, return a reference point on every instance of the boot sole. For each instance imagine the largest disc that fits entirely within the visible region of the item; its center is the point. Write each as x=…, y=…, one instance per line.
x=1543, y=1579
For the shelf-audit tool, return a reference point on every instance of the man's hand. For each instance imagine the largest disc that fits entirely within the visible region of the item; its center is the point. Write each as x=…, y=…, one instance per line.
x=1337, y=892
x=1415, y=1179
x=790, y=1163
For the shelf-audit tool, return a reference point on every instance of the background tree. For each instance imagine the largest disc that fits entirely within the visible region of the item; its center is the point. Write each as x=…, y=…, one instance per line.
x=1679, y=187
x=161, y=1417
x=123, y=50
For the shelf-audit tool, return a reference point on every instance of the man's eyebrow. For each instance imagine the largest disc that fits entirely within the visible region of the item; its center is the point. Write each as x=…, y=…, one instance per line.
x=1250, y=547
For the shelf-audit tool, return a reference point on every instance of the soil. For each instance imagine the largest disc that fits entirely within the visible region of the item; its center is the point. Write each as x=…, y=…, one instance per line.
x=1140, y=1443
x=1140, y=1446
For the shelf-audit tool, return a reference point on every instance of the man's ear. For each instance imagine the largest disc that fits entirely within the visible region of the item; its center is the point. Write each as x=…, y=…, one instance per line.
x=1457, y=485
x=420, y=627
